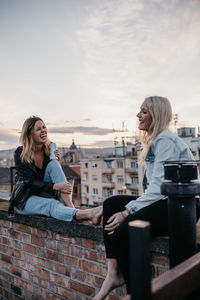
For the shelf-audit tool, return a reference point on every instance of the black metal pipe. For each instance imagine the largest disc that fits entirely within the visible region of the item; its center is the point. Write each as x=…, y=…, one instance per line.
x=181, y=193
x=140, y=267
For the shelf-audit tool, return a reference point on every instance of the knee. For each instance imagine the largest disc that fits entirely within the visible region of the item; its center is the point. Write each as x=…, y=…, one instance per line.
x=110, y=201
x=107, y=202
x=53, y=164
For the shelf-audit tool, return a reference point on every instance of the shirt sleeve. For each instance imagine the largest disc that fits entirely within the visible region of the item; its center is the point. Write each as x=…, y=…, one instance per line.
x=164, y=150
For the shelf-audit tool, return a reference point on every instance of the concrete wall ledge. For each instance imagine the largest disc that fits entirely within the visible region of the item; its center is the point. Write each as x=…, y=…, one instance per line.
x=75, y=229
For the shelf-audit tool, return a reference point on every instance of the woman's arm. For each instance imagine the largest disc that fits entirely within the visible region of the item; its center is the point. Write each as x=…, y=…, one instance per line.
x=164, y=150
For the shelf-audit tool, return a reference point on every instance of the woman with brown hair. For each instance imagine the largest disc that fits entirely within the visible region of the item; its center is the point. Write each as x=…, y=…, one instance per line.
x=41, y=187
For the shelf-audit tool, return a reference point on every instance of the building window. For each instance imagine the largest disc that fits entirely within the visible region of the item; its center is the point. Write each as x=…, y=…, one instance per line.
x=87, y=189
x=119, y=164
x=134, y=180
x=85, y=176
x=108, y=164
x=86, y=165
x=134, y=165
x=94, y=177
x=95, y=191
x=94, y=164
x=120, y=192
x=120, y=179
x=110, y=192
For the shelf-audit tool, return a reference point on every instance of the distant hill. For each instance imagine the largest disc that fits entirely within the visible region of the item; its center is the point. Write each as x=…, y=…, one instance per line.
x=87, y=152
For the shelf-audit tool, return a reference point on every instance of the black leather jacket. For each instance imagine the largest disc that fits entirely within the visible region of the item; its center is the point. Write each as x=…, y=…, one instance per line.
x=28, y=181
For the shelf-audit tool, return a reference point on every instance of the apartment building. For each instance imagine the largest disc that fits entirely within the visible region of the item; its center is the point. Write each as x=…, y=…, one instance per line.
x=103, y=177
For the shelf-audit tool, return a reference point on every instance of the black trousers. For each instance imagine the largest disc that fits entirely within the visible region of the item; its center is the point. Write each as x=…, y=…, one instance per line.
x=117, y=244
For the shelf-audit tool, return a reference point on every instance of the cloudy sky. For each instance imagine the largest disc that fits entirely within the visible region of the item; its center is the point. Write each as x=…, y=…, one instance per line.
x=85, y=66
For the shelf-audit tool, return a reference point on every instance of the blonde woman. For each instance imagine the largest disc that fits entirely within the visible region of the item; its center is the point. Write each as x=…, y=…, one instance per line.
x=160, y=145
x=41, y=186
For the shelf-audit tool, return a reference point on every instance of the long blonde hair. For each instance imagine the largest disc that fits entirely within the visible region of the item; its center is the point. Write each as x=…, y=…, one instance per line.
x=161, y=113
x=26, y=140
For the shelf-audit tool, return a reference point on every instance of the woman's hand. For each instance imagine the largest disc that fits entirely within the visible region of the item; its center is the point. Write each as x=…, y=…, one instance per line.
x=114, y=221
x=64, y=187
x=57, y=154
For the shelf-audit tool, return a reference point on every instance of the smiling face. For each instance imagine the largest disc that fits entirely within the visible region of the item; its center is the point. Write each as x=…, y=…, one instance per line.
x=145, y=118
x=39, y=133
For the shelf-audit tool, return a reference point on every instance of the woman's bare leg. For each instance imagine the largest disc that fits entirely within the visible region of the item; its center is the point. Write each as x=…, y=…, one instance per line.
x=113, y=279
x=67, y=199
x=91, y=214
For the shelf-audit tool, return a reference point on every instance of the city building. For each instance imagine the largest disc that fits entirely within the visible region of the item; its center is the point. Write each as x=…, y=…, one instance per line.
x=189, y=136
x=116, y=174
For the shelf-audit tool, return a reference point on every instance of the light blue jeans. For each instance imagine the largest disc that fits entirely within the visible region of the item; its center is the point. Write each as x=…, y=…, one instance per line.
x=43, y=204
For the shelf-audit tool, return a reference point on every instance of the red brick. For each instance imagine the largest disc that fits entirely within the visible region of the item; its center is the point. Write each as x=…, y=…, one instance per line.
x=20, y=236
x=52, y=255
x=63, y=248
x=82, y=288
x=4, y=231
x=6, y=258
x=16, y=271
x=5, y=240
x=37, y=241
x=62, y=292
x=112, y=297
x=79, y=275
x=28, y=248
x=40, y=233
x=89, y=267
x=26, y=257
x=71, y=261
x=25, y=275
x=61, y=269
x=59, y=279
x=86, y=243
x=51, y=244
x=96, y=256
x=160, y=259
x=15, y=253
x=5, y=223
x=4, y=248
x=42, y=273
x=102, y=270
x=63, y=238
x=76, y=251
x=40, y=251
x=22, y=228
x=39, y=281
x=38, y=261
x=160, y=270
x=94, y=280
x=26, y=266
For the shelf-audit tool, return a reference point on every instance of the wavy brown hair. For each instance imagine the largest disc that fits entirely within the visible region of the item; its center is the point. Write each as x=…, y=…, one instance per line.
x=26, y=140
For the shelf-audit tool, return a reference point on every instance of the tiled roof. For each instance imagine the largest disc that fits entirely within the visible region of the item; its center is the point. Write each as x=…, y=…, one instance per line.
x=69, y=172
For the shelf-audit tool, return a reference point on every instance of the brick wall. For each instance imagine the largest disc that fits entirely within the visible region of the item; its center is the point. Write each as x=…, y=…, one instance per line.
x=37, y=262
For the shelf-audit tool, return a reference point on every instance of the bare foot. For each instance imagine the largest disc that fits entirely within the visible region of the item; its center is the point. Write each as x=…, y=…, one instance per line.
x=110, y=283
x=97, y=213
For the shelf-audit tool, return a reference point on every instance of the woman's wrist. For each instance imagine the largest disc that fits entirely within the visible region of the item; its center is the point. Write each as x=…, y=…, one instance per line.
x=55, y=187
x=125, y=213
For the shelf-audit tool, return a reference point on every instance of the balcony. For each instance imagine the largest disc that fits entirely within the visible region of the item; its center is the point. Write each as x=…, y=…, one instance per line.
x=108, y=170
x=132, y=186
x=108, y=184
x=131, y=170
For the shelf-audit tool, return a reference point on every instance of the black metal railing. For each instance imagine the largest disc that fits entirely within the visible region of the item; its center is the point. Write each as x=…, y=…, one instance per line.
x=181, y=186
